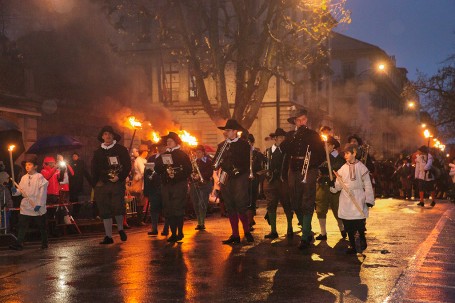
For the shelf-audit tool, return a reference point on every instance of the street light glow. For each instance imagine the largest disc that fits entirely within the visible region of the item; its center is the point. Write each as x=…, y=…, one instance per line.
x=381, y=67
x=423, y=125
x=411, y=104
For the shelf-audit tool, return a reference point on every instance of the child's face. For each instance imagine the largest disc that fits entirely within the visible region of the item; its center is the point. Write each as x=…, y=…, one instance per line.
x=30, y=168
x=349, y=157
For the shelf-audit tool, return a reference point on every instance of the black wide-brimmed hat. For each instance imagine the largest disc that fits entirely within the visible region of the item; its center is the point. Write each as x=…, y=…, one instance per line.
x=172, y=136
x=302, y=112
x=108, y=129
x=231, y=124
x=278, y=132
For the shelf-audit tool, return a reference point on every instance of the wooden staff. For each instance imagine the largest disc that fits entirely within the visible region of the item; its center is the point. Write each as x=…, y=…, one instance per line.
x=351, y=196
x=329, y=165
x=25, y=195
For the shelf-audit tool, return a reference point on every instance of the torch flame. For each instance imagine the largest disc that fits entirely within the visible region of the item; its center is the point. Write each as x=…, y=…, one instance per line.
x=187, y=138
x=11, y=147
x=156, y=137
x=426, y=133
x=324, y=138
x=134, y=123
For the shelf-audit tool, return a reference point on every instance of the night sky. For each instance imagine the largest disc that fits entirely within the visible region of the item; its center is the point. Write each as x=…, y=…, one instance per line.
x=419, y=33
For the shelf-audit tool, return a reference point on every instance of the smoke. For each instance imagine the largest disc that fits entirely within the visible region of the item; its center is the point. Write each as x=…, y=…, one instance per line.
x=386, y=131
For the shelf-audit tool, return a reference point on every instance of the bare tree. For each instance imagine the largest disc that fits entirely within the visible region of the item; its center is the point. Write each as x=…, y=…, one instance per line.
x=259, y=39
x=439, y=93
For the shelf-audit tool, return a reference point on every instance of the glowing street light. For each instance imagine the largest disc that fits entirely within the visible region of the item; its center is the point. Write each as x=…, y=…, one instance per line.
x=381, y=67
x=423, y=125
x=411, y=105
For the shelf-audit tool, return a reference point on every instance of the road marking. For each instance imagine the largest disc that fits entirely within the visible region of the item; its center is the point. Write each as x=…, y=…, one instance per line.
x=408, y=275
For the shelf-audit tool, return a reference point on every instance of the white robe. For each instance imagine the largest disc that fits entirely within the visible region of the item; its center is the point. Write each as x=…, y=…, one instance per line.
x=34, y=189
x=357, y=179
x=423, y=165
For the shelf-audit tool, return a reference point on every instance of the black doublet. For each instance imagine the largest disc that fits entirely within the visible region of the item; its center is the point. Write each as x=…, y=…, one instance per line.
x=236, y=157
x=278, y=164
x=296, y=145
x=182, y=166
x=101, y=167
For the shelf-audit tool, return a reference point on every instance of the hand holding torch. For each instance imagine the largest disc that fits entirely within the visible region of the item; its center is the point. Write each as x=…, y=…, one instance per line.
x=329, y=165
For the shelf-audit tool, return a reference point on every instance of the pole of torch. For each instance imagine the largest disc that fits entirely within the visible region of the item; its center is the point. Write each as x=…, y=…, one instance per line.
x=10, y=149
x=132, y=140
x=329, y=165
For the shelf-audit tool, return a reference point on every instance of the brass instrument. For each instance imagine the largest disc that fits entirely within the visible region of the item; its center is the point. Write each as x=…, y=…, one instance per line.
x=196, y=169
x=219, y=158
x=171, y=170
x=365, y=149
x=306, y=164
x=114, y=170
x=251, y=163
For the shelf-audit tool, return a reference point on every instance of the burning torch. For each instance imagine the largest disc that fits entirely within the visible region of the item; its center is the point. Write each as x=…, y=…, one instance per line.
x=10, y=149
x=329, y=165
x=136, y=125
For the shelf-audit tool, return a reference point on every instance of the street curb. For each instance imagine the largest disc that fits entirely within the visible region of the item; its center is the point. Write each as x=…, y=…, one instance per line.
x=406, y=278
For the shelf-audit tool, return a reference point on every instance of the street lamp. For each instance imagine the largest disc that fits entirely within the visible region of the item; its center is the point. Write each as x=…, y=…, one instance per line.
x=411, y=105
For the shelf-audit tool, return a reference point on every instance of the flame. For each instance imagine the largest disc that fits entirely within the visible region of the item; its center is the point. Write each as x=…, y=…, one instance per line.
x=156, y=137
x=11, y=147
x=187, y=138
x=134, y=123
x=324, y=138
x=426, y=133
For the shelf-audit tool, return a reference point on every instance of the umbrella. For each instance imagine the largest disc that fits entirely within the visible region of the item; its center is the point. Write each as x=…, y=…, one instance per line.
x=54, y=144
x=10, y=135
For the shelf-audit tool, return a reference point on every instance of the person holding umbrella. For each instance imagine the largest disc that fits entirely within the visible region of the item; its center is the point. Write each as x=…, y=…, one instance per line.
x=110, y=166
x=33, y=188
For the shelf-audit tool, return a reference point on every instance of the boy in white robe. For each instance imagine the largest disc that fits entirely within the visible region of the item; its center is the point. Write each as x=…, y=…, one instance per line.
x=355, y=175
x=33, y=188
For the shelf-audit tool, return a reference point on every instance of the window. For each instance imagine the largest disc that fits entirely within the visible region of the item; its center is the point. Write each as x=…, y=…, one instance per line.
x=170, y=83
x=192, y=88
x=348, y=70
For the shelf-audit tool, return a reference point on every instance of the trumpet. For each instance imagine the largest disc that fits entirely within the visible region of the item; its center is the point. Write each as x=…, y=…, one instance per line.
x=219, y=158
x=364, y=155
x=306, y=164
x=196, y=169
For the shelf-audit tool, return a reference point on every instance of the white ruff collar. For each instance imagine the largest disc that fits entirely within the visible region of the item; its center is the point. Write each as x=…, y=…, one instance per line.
x=108, y=146
x=172, y=149
x=233, y=140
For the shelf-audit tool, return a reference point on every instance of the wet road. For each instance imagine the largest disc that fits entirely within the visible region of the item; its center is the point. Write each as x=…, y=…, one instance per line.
x=409, y=249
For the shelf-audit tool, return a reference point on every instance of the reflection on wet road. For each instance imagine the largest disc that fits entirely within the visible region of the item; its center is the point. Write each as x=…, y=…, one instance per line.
x=201, y=269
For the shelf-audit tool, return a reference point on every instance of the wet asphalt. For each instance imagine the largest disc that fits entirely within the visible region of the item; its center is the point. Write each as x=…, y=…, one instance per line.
x=410, y=258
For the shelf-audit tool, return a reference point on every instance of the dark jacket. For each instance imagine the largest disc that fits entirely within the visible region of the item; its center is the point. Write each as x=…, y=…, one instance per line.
x=296, y=145
x=181, y=165
x=278, y=162
x=77, y=180
x=236, y=157
x=101, y=164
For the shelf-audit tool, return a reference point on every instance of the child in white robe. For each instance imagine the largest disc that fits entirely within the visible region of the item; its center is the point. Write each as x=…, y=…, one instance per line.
x=355, y=175
x=33, y=188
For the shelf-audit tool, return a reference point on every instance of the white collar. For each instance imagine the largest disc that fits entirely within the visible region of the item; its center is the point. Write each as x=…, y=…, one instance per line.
x=172, y=149
x=233, y=140
x=108, y=146
x=204, y=159
x=274, y=147
x=335, y=153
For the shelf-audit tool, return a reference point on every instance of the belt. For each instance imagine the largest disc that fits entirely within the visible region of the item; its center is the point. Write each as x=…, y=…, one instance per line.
x=297, y=158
